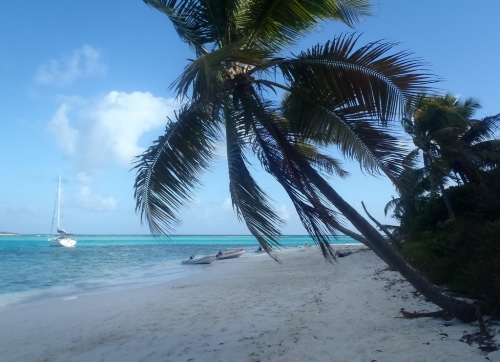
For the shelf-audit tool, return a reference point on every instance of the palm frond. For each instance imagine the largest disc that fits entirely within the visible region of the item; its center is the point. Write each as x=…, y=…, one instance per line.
x=488, y=153
x=366, y=141
x=411, y=159
x=417, y=180
x=392, y=205
x=367, y=79
x=285, y=162
x=203, y=25
x=273, y=24
x=489, y=146
x=468, y=107
x=249, y=201
x=322, y=162
x=482, y=130
x=434, y=112
x=169, y=171
x=186, y=16
x=445, y=134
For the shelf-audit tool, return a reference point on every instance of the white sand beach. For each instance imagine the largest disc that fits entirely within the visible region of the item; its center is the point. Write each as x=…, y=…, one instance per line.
x=247, y=309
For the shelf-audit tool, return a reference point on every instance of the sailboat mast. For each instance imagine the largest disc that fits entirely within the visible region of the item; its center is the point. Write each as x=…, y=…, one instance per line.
x=58, y=200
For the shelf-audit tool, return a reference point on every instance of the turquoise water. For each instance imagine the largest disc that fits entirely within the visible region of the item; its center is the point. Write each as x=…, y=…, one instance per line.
x=30, y=269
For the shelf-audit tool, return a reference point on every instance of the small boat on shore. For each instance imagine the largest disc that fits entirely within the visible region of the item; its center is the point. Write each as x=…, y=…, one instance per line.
x=230, y=254
x=203, y=259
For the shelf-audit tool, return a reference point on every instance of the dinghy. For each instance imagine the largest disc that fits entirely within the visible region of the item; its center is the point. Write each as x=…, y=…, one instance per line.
x=230, y=254
x=202, y=259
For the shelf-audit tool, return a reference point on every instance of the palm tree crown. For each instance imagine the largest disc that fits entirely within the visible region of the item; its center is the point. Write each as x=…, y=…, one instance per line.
x=453, y=143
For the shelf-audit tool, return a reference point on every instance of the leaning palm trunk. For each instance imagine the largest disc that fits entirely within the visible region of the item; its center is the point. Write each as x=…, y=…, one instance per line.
x=379, y=245
x=371, y=237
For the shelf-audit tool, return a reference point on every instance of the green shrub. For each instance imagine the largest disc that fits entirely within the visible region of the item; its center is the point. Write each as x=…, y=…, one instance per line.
x=462, y=254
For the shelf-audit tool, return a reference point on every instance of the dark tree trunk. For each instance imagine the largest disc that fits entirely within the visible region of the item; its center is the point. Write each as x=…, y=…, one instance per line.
x=451, y=214
x=379, y=245
x=383, y=228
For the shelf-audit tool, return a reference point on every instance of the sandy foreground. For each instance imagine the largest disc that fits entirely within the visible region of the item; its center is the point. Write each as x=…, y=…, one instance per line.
x=247, y=309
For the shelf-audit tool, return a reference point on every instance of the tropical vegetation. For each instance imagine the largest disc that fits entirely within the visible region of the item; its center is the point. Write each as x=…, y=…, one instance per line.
x=451, y=233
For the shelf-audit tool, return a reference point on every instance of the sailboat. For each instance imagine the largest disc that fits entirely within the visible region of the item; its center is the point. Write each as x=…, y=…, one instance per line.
x=62, y=238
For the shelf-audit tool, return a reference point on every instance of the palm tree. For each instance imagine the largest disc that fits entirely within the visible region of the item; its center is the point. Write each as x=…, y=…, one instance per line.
x=433, y=123
x=335, y=94
x=474, y=151
x=410, y=201
x=452, y=144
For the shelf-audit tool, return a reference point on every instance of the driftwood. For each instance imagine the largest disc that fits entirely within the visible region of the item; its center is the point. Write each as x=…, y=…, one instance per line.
x=439, y=313
x=442, y=314
x=482, y=326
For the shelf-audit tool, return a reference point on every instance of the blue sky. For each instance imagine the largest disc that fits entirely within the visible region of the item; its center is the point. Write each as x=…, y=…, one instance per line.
x=84, y=87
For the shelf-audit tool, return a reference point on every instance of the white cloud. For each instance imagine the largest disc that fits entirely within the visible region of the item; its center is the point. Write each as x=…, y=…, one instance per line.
x=227, y=205
x=283, y=212
x=65, y=136
x=207, y=214
x=83, y=62
x=83, y=177
x=106, y=131
x=96, y=202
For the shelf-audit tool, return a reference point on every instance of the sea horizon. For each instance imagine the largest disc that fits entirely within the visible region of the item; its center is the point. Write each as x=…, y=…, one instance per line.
x=152, y=235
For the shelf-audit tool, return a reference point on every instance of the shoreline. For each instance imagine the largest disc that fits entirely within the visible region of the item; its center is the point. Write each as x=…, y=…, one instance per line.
x=246, y=309
x=157, y=274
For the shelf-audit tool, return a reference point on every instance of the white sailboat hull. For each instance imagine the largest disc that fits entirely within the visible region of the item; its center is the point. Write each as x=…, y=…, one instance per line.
x=62, y=241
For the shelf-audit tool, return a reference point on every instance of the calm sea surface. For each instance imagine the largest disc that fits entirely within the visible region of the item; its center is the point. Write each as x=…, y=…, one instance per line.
x=30, y=269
